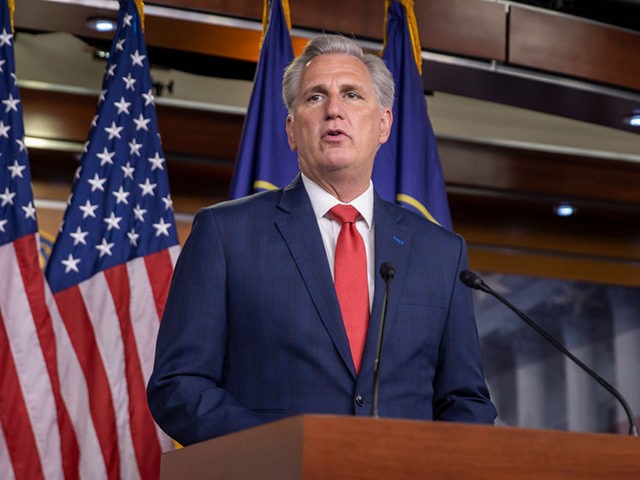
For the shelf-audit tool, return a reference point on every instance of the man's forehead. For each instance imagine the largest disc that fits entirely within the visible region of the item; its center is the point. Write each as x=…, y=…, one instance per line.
x=328, y=68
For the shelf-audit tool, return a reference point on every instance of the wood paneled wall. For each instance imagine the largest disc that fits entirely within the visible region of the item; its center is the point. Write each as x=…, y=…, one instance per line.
x=500, y=197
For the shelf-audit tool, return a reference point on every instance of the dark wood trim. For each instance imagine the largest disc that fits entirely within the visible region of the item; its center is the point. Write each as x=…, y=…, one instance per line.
x=574, y=47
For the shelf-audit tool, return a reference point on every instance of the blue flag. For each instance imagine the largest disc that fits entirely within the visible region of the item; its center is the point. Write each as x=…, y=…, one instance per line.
x=407, y=168
x=265, y=160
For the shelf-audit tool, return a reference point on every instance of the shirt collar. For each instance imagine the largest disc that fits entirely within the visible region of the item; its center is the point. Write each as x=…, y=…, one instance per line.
x=322, y=201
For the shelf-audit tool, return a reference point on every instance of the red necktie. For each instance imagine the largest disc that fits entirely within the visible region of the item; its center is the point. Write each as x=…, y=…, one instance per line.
x=350, y=278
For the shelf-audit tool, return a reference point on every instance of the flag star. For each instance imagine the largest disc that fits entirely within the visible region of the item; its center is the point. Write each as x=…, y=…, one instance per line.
x=162, y=228
x=105, y=157
x=71, y=264
x=77, y=174
x=130, y=82
x=136, y=58
x=141, y=123
x=2, y=224
x=120, y=44
x=156, y=162
x=16, y=169
x=134, y=148
x=149, y=98
x=139, y=212
x=88, y=210
x=147, y=187
x=79, y=236
x=111, y=72
x=113, y=130
x=128, y=170
x=94, y=122
x=7, y=196
x=15, y=79
x=168, y=202
x=122, y=106
x=133, y=237
x=2, y=62
x=97, y=183
x=112, y=222
x=11, y=104
x=127, y=19
x=21, y=145
x=85, y=148
x=29, y=211
x=4, y=129
x=103, y=93
x=105, y=248
x=5, y=38
x=69, y=199
x=121, y=196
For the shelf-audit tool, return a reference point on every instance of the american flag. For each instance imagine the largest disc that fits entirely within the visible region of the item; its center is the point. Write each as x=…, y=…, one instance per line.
x=111, y=266
x=36, y=438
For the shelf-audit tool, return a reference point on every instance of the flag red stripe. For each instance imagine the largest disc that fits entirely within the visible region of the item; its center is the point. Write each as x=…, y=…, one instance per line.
x=26, y=252
x=76, y=319
x=159, y=270
x=143, y=433
x=21, y=443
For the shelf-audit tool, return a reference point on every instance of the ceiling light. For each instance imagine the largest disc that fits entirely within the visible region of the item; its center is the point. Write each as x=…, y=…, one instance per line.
x=564, y=209
x=632, y=120
x=101, y=24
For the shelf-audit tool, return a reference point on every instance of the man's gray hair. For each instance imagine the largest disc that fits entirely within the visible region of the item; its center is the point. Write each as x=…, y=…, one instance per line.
x=337, y=44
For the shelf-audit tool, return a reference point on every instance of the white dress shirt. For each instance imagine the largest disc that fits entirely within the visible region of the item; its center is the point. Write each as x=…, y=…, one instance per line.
x=322, y=201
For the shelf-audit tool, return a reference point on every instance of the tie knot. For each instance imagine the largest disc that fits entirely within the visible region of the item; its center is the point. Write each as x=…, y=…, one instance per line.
x=344, y=213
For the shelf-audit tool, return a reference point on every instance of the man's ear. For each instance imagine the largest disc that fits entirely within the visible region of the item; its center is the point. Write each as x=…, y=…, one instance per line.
x=386, y=120
x=290, y=135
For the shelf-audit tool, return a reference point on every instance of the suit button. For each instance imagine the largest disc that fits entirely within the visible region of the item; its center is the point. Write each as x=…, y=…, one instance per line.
x=360, y=400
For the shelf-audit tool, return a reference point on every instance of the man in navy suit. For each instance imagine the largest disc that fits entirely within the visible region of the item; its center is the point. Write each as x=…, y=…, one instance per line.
x=252, y=330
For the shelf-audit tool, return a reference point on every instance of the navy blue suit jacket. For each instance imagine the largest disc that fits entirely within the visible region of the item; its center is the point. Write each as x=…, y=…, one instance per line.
x=252, y=330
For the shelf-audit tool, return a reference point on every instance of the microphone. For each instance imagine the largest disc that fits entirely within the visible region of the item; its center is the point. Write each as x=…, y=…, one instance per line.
x=472, y=280
x=387, y=272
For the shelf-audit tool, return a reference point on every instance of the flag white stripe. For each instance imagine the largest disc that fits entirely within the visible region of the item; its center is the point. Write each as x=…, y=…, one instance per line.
x=174, y=252
x=143, y=314
x=103, y=316
x=6, y=469
x=29, y=360
x=76, y=397
x=145, y=324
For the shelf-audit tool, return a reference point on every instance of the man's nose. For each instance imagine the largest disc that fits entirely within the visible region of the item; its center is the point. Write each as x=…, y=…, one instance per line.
x=334, y=106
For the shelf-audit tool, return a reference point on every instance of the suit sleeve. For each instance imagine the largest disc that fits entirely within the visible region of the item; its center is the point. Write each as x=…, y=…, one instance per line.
x=460, y=391
x=185, y=392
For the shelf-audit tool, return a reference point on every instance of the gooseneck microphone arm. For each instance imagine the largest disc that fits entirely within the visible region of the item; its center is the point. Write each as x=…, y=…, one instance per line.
x=472, y=280
x=387, y=272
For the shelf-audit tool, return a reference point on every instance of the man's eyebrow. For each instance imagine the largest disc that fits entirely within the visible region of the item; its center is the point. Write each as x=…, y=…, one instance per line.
x=347, y=87
x=315, y=88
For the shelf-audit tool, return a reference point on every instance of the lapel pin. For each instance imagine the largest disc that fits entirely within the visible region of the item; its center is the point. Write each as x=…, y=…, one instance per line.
x=399, y=241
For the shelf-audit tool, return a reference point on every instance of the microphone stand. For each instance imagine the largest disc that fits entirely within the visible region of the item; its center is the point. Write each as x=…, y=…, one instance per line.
x=387, y=272
x=472, y=280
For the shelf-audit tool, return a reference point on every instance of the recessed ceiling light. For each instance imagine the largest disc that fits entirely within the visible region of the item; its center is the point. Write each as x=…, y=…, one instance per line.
x=633, y=120
x=564, y=209
x=101, y=24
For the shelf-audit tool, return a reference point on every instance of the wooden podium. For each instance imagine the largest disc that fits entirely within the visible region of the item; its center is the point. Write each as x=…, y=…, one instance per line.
x=321, y=447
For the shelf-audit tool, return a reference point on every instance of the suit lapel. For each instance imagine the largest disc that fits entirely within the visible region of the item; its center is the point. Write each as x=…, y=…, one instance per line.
x=392, y=244
x=298, y=226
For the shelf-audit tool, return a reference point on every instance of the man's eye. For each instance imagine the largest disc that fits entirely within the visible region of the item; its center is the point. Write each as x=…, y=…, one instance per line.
x=352, y=95
x=314, y=98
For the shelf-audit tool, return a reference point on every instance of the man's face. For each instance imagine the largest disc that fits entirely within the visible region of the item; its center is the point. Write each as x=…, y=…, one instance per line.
x=337, y=124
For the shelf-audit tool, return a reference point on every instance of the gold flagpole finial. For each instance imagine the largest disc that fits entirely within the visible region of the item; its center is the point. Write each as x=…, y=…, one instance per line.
x=412, y=23
x=265, y=16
